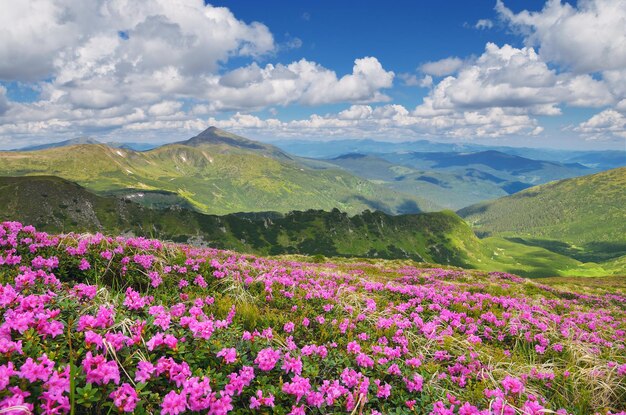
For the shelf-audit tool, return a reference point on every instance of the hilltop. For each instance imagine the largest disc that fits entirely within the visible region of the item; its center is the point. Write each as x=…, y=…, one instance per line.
x=582, y=217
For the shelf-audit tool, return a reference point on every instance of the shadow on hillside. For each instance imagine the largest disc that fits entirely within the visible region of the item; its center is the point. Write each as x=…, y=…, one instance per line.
x=591, y=252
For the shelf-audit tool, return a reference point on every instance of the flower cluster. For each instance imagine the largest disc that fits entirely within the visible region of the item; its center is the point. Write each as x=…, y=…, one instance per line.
x=136, y=325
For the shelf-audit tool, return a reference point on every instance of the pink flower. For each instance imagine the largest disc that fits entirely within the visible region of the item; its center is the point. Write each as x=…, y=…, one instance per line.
x=289, y=327
x=533, y=408
x=298, y=387
x=240, y=380
x=229, y=354
x=6, y=371
x=33, y=371
x=144, y=371
x=415, y=384
x=513, y=385
x=125, y=398
x=134, y=300
x=353, y=347
x=99, y=370
x=267, y=358
x=384, y=389
x=292, y=364
x=84, y=265
x=221, y=406
x=155, y=279
x=258, y=400
x=467, y=409
x=174, y=403
x=364, y=360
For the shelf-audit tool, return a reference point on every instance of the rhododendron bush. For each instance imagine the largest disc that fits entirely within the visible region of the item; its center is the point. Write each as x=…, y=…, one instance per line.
x=94, y=324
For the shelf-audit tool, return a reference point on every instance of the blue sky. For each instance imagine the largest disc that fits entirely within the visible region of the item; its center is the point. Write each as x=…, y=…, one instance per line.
x=529, y=73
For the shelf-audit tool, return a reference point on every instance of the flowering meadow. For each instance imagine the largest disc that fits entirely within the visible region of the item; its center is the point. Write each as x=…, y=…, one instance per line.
x=95, y=324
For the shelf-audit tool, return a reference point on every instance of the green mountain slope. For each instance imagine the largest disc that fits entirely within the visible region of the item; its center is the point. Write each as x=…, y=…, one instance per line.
x=216, y=172
x=57, y=205
x=583, y=217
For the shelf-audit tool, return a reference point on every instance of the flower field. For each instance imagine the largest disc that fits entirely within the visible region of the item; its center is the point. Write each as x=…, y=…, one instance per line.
x=94, y=324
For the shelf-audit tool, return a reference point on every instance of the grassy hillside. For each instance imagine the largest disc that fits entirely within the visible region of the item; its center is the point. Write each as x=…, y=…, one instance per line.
x=583, y=217
x=215, y=173
x=57, y=205
x=107, y=325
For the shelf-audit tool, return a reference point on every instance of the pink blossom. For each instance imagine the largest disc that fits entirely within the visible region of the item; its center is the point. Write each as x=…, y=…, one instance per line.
x=229, y=354
x=174, y=403
x=266, y=359
x=125, y=398
x=513, y=385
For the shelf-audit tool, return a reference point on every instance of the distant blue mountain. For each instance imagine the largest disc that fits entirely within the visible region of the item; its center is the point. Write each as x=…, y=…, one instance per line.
x=599, y=160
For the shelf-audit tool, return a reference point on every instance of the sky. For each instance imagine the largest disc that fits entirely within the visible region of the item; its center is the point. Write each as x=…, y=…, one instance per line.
x=505, y=72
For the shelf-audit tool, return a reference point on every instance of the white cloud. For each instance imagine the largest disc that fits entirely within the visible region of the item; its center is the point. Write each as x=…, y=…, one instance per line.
x=102, y=64
x=165, y=108
x=426, y=81
x=589, y=41
x=4, y=103
x=303, y=82
x=70, y=38
x=588, y=38
x=516, y=78
x=412, y=80
x=389, y=121
x=409, y=79
x=604, y=125
x=483, y=24
x=442, y=67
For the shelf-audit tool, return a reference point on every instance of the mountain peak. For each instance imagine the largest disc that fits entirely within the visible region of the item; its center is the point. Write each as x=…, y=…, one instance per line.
x=213, y=130
x=214, y=135
x=227, y=141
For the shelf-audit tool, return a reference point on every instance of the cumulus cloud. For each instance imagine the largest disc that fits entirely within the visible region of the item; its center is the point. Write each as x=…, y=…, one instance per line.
x=588, y=38
x=104, y=63
x=389, y=121
x=588, y=42
x=71, y=37
x=605, y=124
x=442, y=67
x=409, y=79
x=518, y=78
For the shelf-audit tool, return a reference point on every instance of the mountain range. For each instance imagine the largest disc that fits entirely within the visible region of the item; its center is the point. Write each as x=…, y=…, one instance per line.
x=455, y=180
x=56, y=205
x=602, y=160
x=399, y=177
x=354, y=204
x=215, y=172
